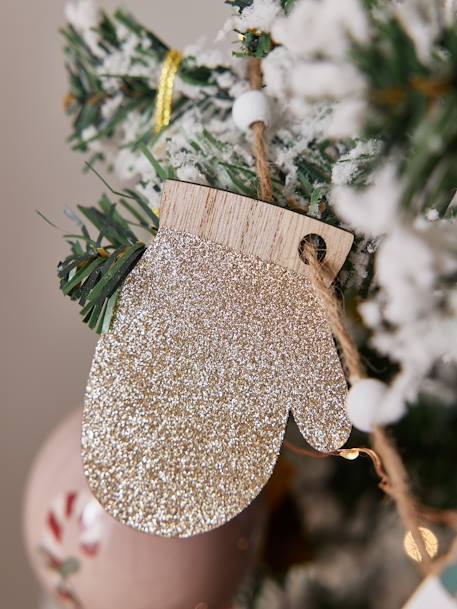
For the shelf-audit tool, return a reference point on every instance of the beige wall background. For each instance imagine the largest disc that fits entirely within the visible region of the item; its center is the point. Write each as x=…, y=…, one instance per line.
x=45, y=349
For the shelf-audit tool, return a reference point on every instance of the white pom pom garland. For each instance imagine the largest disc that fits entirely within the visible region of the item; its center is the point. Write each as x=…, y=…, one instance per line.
x=393, y=408
x=363, y=403
x=251, y=107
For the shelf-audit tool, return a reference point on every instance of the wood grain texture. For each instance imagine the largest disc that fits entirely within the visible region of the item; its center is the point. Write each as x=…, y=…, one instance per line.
x=247, y=225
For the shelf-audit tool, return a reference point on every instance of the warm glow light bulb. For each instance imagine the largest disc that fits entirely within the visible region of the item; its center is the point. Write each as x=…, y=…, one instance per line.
x=430, y=542
x=350, y=454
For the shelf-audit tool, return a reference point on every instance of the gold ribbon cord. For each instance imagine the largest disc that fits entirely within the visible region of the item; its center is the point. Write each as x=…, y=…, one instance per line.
x=164, y=101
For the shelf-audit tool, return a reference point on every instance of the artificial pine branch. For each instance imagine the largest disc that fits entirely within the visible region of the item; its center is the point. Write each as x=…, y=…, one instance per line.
x=88, y=89
x=413, y=110
x=93, y=273
x=411, y=104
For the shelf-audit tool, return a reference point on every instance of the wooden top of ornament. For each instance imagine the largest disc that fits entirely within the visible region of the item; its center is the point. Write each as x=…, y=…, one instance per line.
x=250, y=226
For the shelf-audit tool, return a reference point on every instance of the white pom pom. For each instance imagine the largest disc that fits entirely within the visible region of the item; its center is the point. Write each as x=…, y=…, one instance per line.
x=249, y=108
x=393, y=408
x=363, y=403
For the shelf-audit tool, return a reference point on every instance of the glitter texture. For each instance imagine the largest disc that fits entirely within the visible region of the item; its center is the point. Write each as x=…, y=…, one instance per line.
x=189, y=393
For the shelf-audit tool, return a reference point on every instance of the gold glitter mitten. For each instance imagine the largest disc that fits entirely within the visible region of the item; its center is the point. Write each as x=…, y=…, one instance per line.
x=217, y=338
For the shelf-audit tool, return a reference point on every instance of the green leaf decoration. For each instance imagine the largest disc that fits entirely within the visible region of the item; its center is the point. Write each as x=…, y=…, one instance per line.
x=97, y=267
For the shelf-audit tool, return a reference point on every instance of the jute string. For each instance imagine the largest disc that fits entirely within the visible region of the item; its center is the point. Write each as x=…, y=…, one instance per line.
x=396, y=483
x=260, y=141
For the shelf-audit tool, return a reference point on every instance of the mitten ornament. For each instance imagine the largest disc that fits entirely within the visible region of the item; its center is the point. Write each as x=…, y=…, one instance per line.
x=218, y=337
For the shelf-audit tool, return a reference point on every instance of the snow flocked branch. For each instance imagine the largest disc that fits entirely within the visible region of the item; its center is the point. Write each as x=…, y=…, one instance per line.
x=365, y=137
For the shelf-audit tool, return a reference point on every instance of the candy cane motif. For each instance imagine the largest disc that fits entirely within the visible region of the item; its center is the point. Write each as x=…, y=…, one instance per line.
x=73, y=531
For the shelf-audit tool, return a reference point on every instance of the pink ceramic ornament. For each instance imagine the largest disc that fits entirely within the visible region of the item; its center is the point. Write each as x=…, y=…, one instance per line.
x=90, y=561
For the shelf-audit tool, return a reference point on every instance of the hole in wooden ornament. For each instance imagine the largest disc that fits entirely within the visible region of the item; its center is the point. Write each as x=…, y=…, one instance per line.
x=315, y=241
